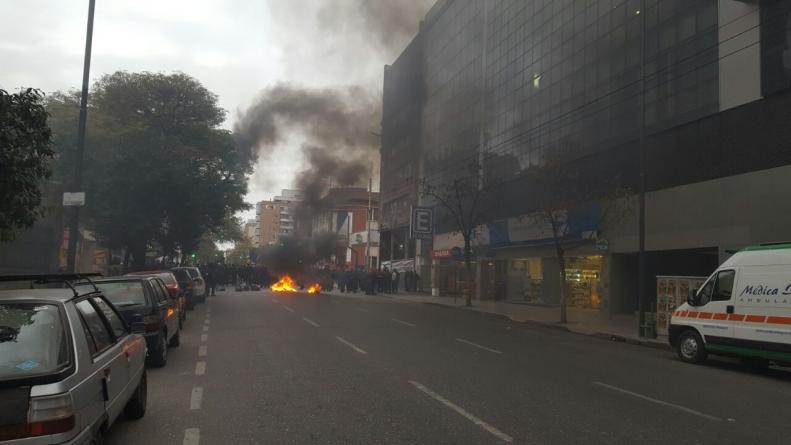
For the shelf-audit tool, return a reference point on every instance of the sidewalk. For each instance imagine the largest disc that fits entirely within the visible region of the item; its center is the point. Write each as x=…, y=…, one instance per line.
x=591, y=322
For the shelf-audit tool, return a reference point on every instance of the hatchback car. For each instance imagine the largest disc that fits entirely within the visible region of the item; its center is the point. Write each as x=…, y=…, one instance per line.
x=69, y=366
x=146, y=305
x=172, y=285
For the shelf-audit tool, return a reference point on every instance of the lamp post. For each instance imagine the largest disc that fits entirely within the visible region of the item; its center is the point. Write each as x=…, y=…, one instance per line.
x=74, y=225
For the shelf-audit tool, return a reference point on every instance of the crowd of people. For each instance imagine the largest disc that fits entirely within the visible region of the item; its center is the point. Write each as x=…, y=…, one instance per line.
x=370, y=281
x=223, y=275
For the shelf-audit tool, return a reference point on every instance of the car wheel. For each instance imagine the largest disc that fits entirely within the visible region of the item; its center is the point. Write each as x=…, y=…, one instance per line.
x=136, y=406
x=159, y=358
x=175, y=341
x=690, y=347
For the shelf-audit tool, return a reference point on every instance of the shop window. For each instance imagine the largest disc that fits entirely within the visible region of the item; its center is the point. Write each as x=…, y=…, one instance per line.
x=583, y=278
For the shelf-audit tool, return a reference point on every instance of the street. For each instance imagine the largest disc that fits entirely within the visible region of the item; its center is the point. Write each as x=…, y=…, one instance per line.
x=264, y=368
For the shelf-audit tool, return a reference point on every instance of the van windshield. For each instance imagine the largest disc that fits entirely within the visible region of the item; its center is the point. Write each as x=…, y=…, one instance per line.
x=33, y=340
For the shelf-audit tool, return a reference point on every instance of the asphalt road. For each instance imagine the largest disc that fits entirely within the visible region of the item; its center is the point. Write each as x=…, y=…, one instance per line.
x=258, y=368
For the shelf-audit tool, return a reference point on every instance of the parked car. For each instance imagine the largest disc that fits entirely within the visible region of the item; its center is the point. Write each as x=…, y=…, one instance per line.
x=69, y=365
x=742, y=310
x=146, y=305
x=192, y=280
x=173, y=288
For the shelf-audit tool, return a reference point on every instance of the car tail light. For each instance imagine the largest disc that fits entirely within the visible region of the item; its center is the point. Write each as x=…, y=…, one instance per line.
x=151, y=322
x=46, y=416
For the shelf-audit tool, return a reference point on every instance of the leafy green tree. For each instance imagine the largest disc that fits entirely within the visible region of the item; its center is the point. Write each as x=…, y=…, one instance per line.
x=158, y=170
x=25, y=152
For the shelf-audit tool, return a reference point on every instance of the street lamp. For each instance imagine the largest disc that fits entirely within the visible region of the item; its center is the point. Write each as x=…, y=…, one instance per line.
x=74, y=226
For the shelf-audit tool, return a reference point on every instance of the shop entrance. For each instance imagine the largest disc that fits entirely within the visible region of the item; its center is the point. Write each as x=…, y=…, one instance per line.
x=583, y=278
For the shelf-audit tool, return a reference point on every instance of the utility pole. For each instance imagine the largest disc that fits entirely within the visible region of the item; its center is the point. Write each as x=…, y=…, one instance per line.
x=74, y=226
x=368, y=223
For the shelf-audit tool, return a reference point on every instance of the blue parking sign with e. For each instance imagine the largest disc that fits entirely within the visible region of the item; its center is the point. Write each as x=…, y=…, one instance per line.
x=422, y=222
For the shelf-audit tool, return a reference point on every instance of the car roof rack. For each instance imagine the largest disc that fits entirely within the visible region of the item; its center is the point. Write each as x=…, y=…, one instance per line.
x=65, y=278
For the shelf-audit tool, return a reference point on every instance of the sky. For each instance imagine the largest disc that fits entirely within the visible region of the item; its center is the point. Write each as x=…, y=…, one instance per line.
x=236, y=48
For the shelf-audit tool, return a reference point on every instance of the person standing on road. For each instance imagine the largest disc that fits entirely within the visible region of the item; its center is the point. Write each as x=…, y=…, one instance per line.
x=211, y=279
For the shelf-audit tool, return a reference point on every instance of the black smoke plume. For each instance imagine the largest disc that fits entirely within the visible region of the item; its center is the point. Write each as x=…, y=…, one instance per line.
x=338, y=127
x=390, y=23
x=295, y=255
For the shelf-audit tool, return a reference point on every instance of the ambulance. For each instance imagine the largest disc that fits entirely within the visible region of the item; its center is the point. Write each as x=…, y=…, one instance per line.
x=742, y=310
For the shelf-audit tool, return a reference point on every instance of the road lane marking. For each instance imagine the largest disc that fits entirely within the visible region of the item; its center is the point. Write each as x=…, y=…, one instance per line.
x=347, y=343
x=405, y=323
x=311, y=322
x=191, y=436
x=196, y=399
x=202, y=351
x=464, y=413
x=659, y=402
x=204, y=337
x=207, y=321
x=479, y=346
x=205, y=328
x=286, y=308
x=200, y=368
x=361, y=309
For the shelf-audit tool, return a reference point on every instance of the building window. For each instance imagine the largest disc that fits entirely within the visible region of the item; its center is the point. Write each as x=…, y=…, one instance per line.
x=775, y=46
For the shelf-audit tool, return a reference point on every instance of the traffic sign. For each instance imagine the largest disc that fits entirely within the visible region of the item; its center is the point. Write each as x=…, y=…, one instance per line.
x=421, y=225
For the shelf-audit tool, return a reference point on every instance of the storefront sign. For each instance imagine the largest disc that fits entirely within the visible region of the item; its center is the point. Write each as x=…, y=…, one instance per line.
x=602, y=244
x=444, y=253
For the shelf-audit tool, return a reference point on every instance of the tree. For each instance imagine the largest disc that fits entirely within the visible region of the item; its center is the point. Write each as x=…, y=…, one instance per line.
x=571, y=200
x=240, y=254
x=159, y=170
x=459, y=198
x=25, y=152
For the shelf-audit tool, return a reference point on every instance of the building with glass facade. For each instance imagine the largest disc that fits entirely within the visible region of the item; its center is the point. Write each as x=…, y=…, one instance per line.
x=512, y=84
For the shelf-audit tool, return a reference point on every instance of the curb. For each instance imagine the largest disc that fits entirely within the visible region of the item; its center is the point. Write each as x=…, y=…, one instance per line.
x=562, y=328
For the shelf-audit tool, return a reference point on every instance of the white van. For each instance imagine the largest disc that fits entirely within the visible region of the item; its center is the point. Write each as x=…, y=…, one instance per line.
x=742, y=310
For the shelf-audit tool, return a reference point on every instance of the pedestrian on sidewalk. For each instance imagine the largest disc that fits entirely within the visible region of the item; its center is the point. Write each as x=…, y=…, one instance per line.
x=394, y=282
x=383, y=277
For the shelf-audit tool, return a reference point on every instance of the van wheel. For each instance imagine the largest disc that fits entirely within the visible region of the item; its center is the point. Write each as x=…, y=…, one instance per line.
x=175, y=341
x=159, y=356
x=136, y=406
x=690, y=347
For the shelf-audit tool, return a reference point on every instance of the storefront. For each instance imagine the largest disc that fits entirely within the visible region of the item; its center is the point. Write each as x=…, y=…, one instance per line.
x=523, y=280
x=527, y=280
x=583, y=278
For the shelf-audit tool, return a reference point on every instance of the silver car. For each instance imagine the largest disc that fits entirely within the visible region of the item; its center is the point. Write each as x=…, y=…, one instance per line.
x=69, y=366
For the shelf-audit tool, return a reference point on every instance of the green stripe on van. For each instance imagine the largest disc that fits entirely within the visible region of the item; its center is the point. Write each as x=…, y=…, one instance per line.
x=749, y=352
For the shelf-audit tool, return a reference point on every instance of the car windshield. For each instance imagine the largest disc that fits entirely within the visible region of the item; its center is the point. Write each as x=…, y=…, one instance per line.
x=33, y=340
x=123, y=293
x=193, y=273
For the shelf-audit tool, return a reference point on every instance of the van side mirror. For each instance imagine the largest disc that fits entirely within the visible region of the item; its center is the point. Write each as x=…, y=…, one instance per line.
x=692, y=298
